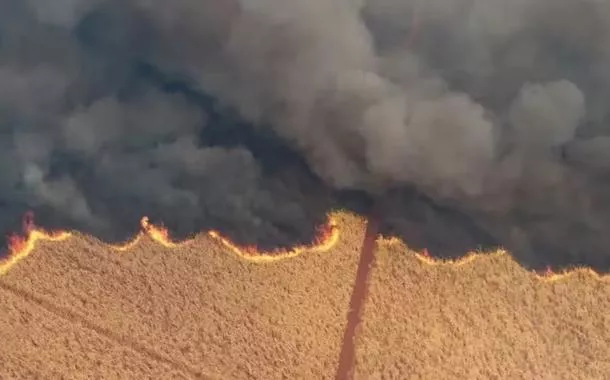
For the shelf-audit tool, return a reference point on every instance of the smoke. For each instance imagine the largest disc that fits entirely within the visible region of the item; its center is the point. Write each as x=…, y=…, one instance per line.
x=479, y=120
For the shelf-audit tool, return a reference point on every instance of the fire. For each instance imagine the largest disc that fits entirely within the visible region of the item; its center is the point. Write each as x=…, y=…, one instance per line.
x=159, y=234
x=550, y=276
x=426, y=258
x=547, y=276
x=20, y=246
x=129, y=244
x=327, y=238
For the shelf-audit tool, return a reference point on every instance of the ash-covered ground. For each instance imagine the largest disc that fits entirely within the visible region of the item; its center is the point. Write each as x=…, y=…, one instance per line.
x=474, y=123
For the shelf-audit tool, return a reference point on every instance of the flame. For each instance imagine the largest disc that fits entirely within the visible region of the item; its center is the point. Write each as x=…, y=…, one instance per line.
x=20, y=246
x=550, y=276
x=159, y=234
x=327, y=238
x=128, y=245
x=425, y=257
x=546, y=276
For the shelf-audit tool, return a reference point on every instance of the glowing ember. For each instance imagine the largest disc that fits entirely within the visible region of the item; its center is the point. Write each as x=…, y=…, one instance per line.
x=20, y=246
x=328, y=236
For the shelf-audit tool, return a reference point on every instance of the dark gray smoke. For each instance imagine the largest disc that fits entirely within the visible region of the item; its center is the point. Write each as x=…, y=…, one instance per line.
x=461, y=116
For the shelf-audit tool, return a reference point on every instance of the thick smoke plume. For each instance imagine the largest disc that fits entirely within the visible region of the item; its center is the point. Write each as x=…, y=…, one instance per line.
x=482, y=112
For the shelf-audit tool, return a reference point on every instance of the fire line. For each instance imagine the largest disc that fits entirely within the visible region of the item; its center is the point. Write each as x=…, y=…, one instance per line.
x=22, y=245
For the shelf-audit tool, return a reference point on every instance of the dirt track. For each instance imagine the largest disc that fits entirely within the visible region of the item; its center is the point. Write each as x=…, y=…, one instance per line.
x=81, y=310
x=347, y=357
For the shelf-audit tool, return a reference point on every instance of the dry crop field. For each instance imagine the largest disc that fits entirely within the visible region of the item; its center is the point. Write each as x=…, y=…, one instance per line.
x=80, y=309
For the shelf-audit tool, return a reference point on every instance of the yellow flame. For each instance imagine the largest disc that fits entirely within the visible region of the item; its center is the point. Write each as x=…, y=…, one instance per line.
x=159, y=234
x=547, y=276
x=550, y=276
x=429, y=260
x=128, y=245
x=324, y=244
x=20, y=248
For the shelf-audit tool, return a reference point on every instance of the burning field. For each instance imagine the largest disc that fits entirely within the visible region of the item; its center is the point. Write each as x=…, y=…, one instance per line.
x=205, y=308
x=478, y=123
x=198, y=308
x=469, y=125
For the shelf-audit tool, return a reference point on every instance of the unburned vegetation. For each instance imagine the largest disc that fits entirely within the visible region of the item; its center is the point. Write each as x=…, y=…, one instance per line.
x=81, y=309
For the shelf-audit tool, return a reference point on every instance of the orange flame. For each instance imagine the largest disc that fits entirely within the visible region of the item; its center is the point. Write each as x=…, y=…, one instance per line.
x=550, y=276
x=20, y=246
x=160, y=234
x=327, y=238
x=124, y=247
x=547, y=276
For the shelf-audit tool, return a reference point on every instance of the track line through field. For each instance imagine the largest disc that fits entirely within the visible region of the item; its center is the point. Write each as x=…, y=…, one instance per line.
x=347, y=358
x=75, y=318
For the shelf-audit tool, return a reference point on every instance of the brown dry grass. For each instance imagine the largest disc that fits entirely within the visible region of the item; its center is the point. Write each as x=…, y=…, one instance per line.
x=485, y=319
x=185, y=311
x=78, y=309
